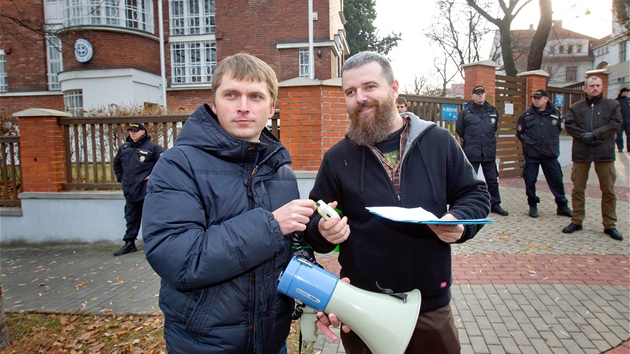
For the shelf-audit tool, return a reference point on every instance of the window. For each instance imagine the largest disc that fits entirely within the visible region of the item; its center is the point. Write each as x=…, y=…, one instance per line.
x=193, y=62
x=571, y=73
x=552, y=50
x=193, y=45
x=578, y=48
x=303, y=60
x=120, y=13
x=73, y=100
x=623, y=51
x=55, y=62
x=192, y=17
x=3, y=72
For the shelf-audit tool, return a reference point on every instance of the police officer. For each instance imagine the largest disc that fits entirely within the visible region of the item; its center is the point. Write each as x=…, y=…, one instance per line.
x=477, y=126
x=133, y=164
x=538, y=129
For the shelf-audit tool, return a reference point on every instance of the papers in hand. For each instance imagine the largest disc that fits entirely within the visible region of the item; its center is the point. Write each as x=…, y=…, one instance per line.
x=419, y=216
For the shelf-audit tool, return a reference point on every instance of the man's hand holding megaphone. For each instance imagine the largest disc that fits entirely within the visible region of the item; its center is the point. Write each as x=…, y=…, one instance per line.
x=324, y=321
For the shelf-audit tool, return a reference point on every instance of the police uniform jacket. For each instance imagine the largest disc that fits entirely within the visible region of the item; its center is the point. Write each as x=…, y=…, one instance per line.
x=477, y=126
x=539, y=132
x=210, y=234
x=133, y=163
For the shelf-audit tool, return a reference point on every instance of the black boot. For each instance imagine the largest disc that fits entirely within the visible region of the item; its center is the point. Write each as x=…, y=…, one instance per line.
x=130, y=246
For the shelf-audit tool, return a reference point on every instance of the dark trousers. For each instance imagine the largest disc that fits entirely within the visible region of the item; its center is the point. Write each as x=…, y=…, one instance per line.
x=619, y=141
x=553, y=174
x=133, y=216
x=435, y=332
x=491, y=174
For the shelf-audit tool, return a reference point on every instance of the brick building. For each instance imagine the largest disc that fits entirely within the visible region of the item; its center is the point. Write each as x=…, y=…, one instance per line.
x=88, y=54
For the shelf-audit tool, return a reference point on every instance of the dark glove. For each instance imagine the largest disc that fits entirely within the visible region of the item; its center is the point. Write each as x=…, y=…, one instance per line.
x=597, y=142
x=587, y=137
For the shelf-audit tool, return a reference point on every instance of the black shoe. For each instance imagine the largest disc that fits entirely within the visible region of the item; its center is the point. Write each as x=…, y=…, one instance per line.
x=571, y=228
x=533, y=212
x=564, y=211
x=498, y=210
x=129, y=247
x=614, y=234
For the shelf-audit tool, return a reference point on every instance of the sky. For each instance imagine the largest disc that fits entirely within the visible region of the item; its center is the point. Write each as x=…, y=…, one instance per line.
x=413, y=55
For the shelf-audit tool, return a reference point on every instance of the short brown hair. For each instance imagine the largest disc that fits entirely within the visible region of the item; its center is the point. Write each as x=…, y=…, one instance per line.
x=244, y=66
x=401, y=100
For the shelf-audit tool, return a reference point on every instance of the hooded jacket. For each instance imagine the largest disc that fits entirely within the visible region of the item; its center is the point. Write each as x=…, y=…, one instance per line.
x=477, y=127
x=599, y=115
x=133, y=163
x=400, y=256
x=210, y=235
x=539, y=131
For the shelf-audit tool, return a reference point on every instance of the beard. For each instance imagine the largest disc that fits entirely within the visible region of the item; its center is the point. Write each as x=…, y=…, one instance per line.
x=374, y=127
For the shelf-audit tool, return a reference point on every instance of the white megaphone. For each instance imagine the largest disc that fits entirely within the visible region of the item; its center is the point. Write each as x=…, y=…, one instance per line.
x=384, y=322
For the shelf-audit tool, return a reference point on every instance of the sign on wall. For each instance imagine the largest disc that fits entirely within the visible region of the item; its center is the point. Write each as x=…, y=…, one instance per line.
x=449, y=112
x=558, y=99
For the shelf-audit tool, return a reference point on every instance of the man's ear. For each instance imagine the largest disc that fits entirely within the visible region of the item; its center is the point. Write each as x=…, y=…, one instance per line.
x=272, y=110
x=214, y=109
x=395, y=88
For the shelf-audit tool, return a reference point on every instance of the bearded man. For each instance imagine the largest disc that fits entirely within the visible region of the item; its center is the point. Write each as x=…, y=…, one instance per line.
x=387, y=159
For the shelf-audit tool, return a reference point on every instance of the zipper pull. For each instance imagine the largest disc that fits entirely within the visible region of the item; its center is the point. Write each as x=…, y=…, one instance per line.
x=255, y=170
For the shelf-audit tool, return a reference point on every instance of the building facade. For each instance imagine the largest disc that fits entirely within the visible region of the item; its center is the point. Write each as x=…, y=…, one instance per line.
x=83, y=55
x=613, y=53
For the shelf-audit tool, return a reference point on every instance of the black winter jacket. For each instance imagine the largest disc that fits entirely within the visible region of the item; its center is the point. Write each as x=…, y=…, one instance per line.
x=210, y=235
x=400, y=256
x=624, y=102
x=539, y=131
x=133, y=163
x=477, y=127
x=599, y=115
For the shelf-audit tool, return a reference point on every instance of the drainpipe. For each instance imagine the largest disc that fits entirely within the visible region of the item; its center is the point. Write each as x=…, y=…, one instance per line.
x=162, y=59
x=311, y=57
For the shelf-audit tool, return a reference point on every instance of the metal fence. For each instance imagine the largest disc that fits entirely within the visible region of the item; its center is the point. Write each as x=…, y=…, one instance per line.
x=10, y=173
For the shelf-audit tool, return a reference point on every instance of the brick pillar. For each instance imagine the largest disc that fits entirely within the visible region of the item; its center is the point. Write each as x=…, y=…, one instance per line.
x=42, y=152
x=480, y=73
x=313, y=117
x=602, y=74
x=535, y=80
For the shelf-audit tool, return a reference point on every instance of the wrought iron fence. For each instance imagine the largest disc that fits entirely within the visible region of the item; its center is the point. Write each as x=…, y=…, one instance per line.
x=10, y=172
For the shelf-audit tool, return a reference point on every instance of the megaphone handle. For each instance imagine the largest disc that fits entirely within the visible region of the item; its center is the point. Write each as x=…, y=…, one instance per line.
x=307, y=324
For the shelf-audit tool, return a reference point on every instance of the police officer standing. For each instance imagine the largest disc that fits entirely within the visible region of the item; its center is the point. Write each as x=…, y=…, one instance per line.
x=133, y=164
x=477, y=126
x=538, y=129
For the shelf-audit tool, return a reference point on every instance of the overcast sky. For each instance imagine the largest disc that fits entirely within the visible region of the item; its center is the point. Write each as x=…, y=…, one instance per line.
x=414, y=55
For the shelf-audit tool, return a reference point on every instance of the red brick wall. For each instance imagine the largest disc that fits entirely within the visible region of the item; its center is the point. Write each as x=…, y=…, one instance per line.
x=113, y=50
x=42, y=154
x=10, y=105
x=26, y=51
x=312, y=119
x=240, y=25
x=480, y=75
x=187, y=100
x=534, y=82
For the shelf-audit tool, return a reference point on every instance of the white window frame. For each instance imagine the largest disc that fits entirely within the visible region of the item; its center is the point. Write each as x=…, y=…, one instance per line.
x=623, y=51
x=4, y=86
x=303, y=63
x=193, y=62
x=54, y=58
x=192, y=17
x=192, y=42
x=73, y=102
x=570, y=70
x=133, y=14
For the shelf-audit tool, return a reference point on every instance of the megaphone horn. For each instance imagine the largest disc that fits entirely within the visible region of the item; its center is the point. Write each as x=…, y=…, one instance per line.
x=384, y=322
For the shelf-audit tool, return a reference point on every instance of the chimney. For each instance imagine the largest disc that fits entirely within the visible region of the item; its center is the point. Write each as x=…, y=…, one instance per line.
x=557, y=23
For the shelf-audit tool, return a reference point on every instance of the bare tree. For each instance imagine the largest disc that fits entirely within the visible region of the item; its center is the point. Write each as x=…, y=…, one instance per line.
x=459, y=33
x=535, y=57
x=510, y=11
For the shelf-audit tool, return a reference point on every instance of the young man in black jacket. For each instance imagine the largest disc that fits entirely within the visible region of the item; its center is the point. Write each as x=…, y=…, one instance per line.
x=390, y=160
x=133, y=164
x=624, y=101
x=538, y=128
x=477, y=125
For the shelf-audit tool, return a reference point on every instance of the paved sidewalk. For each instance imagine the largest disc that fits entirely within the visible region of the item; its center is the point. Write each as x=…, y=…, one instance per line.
x=521, y=286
